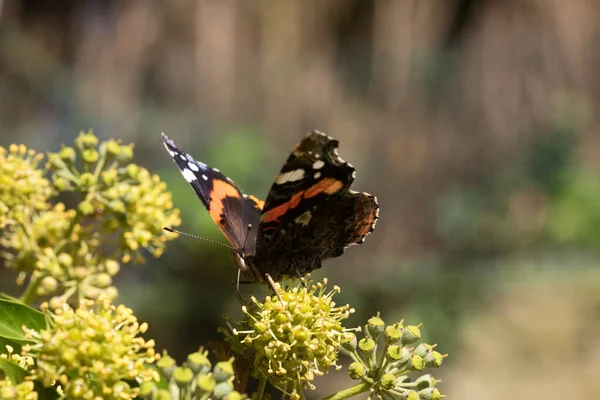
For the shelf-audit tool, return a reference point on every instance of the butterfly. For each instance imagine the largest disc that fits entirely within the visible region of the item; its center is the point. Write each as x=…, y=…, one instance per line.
x=310, y=214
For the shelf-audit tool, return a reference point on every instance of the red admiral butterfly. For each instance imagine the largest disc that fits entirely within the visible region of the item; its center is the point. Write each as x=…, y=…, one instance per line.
x=310, y=213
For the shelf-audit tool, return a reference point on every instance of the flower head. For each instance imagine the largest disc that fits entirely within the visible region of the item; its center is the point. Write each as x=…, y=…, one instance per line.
x=386, y=354
x=23, y=188
x=292, y=340
x=77, y=251
x=92, y=351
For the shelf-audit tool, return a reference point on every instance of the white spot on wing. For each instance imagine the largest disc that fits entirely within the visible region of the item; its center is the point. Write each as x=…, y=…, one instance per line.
x=189, y=175
x=317, y=156
x=317, y=175
x=318, y=164
x=205, y=177
x=216, y=170
x=290, y=176
x=193, y=166
x=182, y=156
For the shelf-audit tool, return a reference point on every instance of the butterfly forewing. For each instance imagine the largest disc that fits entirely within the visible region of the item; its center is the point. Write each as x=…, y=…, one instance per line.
x=235, y=214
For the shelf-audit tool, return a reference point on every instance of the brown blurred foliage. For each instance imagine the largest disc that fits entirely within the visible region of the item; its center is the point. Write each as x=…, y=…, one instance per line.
x=428, y=98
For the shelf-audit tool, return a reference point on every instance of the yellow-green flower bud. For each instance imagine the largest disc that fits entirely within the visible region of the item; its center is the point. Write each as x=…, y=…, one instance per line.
x=235, y=395
x=117, y=206
x=62, y=184
x=56, y=303
x=388, y=381
x=67, y=154
x=433, y=359
x=397, y=353
x=111, y=267
x=183, y=376
x=423, y=349
x=50, y=284
x=205, y=384
x=80, y=273
x=430, y=394
x=222, y=390
x=94, y=350
x=393, y=333
x=412, y=395
x=126, y=153
x=65, y=259
x=133, y=170
x=374, y=327
x=76, y=388
x=68, y=356
x=166, y=365
x=87, y=180
x=416, y=363
x=348, y=343
x=86, y=208
x=356, y=370
x=199, y=363
x=90, y=156
x=102, y=280
x=86, y=140
x=147, y=389
x=113, y=147
x=366, y=345
x=302, y=334
x=411, y=334
x=163, y=394
x=223, y=371
x=111, y=292
x=109, y=176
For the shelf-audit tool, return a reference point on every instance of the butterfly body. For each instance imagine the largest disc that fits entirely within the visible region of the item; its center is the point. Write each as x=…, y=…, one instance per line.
x=310, y=214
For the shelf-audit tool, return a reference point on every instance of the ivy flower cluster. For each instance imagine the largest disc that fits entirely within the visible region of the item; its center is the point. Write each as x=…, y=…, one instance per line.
x=23, y=188
x=19, y=391
x=92, y=351
x=75, y=253
x=385, y=356
x=197, y=379
x=291, y=339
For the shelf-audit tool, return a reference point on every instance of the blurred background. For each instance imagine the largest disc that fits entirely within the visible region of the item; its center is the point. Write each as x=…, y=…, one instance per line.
x=473, y=121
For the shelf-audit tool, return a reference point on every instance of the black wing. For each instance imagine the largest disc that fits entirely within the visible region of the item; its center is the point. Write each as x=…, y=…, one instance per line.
x=310, y=213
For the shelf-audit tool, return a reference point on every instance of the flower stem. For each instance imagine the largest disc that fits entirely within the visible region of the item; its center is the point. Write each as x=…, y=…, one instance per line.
x=352, y=391
x=30, y=291
x=260, y=392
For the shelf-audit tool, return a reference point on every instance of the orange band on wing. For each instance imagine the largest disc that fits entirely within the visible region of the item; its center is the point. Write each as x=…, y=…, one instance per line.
x=219, y=192
x=274, y=213
x=328, y=185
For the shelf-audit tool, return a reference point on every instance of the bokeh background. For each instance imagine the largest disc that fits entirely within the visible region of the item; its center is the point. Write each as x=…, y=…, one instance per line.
x=473, y=121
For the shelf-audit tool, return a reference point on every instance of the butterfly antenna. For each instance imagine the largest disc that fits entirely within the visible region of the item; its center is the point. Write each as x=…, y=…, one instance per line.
x=166, y=228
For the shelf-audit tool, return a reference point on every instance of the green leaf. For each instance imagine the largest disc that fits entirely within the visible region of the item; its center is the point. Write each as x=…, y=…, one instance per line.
x=13, y=315
x=12, y=370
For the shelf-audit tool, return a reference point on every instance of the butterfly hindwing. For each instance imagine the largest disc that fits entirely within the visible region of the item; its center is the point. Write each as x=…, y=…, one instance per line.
x=310, y=213
x=235, y=214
